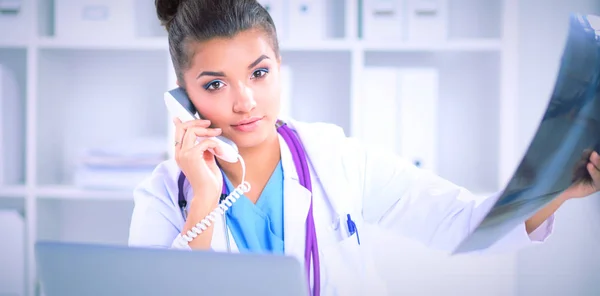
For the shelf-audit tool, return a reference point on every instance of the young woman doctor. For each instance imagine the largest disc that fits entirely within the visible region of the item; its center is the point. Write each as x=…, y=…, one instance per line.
x=310, y=184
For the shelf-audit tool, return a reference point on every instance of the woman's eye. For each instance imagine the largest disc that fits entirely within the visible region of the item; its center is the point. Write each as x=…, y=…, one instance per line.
x=214, y=85
x=260, y=73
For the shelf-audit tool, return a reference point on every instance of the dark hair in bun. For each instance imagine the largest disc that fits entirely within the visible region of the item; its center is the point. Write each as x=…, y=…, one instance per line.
x=201, y=20
x=166, y=10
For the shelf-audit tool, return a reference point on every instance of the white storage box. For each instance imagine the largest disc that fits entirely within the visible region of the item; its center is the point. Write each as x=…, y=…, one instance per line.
x=307, y=20
x=278, y=11
x=427, y=20
x=107, y=19
x=401, y=117
x=15, y=21
x=12, y=131
x=377, y=112
x=383, y=20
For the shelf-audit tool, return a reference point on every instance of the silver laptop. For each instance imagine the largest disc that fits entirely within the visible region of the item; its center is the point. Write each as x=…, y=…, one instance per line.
x=66, y=269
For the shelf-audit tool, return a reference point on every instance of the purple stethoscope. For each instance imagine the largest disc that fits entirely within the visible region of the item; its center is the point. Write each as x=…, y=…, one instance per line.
x=301, y=163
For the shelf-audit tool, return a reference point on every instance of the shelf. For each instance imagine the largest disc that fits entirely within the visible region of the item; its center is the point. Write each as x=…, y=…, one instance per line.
x=466, y=45
x=91, y=100
x=161, y=43
x=12, y=191
x=83, y=220
x=318, y=45
x=468, y=125
x=149, y=43
x=13, y=44
x=13, y=198
x=73, y=193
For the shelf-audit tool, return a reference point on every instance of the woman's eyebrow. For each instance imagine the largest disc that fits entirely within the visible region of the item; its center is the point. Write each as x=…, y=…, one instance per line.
x=262, y=57
x=221, y=74
x=211, y=73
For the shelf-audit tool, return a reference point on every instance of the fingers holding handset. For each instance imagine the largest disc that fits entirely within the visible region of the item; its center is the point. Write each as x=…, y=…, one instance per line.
x=193, y=133
x=193, y=158
x=181, y=128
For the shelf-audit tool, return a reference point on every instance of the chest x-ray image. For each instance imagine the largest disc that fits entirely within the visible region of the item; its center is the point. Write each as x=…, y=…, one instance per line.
x=566, y=135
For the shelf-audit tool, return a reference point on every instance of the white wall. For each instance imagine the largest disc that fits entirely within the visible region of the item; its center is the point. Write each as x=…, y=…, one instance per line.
x=569, y=263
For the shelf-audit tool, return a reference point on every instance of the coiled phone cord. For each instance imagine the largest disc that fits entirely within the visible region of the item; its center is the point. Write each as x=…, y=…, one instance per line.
x=222, y=208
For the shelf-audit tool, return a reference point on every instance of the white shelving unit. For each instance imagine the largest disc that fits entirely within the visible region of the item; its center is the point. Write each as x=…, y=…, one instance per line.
x=81, y=92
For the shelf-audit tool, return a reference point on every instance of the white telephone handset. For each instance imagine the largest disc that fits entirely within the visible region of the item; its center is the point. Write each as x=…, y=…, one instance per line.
x=175, y=100
x=179, y=105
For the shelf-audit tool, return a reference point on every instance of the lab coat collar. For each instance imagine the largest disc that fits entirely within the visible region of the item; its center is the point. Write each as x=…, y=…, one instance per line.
x=324, y=155
x=296, y=203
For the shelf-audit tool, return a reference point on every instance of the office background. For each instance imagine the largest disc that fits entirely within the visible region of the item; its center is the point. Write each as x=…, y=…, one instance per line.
x=83, y=119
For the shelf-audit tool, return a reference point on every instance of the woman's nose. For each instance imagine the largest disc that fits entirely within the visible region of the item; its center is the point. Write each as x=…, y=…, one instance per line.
x=244, y=101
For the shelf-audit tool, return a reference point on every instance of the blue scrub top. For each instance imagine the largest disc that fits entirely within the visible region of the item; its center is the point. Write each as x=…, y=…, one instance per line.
x=258, y=228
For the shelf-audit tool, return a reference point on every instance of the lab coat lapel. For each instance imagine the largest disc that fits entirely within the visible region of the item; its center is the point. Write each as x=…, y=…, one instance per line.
x=328, y=166
x=219, y=241
x=296, y=202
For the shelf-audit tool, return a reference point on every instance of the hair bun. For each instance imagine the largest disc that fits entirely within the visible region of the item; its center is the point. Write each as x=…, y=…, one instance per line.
x=166, y=10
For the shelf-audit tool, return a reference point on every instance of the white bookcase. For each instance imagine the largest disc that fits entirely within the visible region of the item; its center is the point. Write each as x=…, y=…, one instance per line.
x=81, y=92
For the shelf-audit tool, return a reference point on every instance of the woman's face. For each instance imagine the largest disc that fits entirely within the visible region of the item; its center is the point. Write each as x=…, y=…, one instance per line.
x=234, y=83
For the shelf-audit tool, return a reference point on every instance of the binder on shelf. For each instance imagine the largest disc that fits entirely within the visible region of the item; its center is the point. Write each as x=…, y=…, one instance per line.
x=401, y=115
x=377, y=108
x=278, y=11
x=383, y=20
x=12, y=130
x=307, y=20
x=418, y=116
x=427, y=20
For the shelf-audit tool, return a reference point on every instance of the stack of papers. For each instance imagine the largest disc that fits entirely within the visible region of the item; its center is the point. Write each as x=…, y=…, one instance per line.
x=556, y=157
x=122, y=165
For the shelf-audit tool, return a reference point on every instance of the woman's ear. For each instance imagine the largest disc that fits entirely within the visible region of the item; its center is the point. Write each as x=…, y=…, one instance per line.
x=279, y=64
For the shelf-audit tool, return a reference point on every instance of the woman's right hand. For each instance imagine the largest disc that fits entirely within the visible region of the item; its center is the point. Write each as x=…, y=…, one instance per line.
x=198, y=164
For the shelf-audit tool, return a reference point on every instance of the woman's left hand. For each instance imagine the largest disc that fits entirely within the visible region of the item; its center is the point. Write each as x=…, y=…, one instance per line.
x=590, y=184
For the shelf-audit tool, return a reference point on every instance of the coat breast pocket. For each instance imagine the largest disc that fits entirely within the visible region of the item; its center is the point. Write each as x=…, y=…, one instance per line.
x=344, y=267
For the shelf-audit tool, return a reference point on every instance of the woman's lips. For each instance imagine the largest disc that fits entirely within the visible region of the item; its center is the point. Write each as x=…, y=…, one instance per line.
x=247, y=125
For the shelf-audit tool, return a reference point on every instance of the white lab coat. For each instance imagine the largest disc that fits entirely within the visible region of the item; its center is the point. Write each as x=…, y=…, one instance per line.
x=378, y=190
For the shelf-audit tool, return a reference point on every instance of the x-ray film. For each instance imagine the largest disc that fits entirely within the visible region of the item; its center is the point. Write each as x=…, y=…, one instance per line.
x=567, y=133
